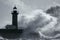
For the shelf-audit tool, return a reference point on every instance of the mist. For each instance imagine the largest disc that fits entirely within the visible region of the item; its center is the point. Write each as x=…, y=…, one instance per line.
x=36, y=22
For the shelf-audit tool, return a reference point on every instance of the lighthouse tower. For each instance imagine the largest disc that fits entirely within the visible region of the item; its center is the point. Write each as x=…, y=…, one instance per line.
x=15, y=17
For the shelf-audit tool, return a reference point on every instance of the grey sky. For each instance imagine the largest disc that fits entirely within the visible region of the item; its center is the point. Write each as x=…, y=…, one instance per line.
x=41, y=4
x=24, y=5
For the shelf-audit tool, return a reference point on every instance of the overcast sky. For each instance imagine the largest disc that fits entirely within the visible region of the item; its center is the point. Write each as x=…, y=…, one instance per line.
x=24, y=7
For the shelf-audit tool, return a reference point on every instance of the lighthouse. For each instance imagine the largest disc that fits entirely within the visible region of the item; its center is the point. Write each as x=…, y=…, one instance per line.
x=15, y=17
x=12, y=31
